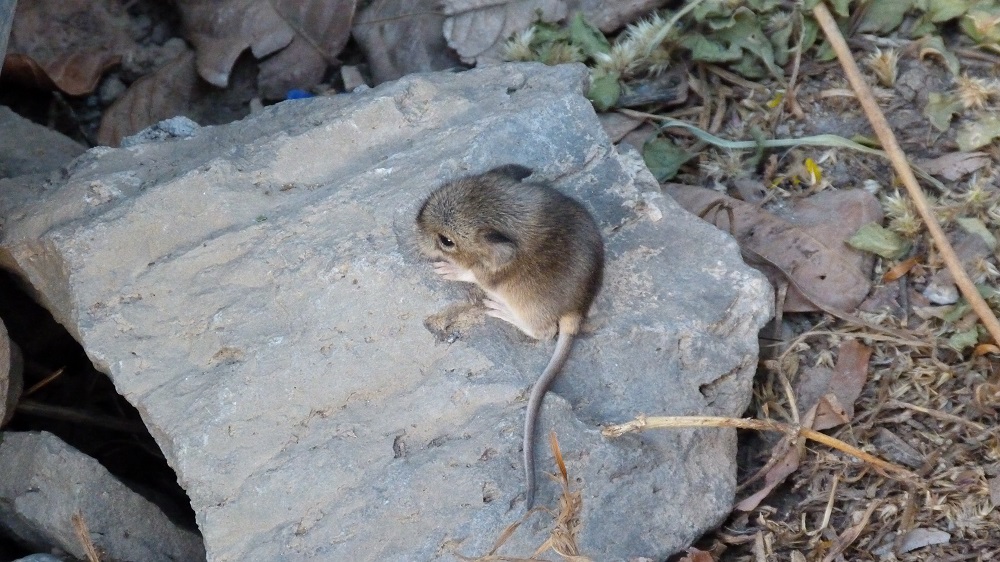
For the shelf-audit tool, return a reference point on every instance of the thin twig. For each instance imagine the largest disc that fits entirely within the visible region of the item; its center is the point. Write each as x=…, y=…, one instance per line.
x=643, y=423
x=83, y=535
x=898, y=159
x=944, y=416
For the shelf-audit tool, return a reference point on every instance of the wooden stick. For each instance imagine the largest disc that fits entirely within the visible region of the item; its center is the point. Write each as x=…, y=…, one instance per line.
x=898, y=159
x=643, y=423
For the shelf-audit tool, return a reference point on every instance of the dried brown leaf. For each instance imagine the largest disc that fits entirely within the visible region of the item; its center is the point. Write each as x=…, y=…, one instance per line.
x=986, y=397
x=66, y=44
x=813, y=383
x=477, y=29
x=808, y=246
x=828, y=413
x=163, y=94
x=828, y=395
x=695, y=555
x=850, y=534
x=921, y=537
x=954, y=165
x=900, y=269
x=221, y=30
x=777, y=474
x=850, y=373
x=984, y=348
x=897, y=450
x=401, y=37
x=295, y=66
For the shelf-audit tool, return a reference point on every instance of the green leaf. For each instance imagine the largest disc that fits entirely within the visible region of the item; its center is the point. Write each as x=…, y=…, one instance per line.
x=962, y=340
x=705, y=50
x=880, y=241
x=883, y=16
x=934, y=45
x=710, y=8
x=810, y=32
x=987, y=291
x=546, y=33
x=943, y=10
x=825, y=52
x=763, y=6
x=588, y=38
x=978, y=133
x=781, y=42
x=742, y=32
x=663, y=158
x=604, y=91
x=749, y=68
x=923, y=27
x=977, y=227
x=957, y=312
x=941, y=108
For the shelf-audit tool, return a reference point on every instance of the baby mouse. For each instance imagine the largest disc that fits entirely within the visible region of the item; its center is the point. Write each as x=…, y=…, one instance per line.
x=537, y=254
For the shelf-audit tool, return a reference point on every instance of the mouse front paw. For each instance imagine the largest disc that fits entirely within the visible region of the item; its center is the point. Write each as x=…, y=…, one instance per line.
x=452, y=272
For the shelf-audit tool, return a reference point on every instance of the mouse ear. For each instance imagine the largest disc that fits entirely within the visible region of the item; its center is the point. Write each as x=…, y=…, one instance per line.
x=502, y=249
x=515, y=172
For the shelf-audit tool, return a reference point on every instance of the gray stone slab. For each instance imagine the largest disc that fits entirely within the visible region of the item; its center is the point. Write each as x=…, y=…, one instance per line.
x=254, y=290
x=46, y=483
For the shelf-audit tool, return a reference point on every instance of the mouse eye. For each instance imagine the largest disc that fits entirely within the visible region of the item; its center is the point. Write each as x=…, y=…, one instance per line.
x=445, y=242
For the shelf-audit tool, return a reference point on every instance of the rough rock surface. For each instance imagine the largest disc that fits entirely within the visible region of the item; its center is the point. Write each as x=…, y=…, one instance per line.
x=46, y=483
x=29, y=148
x=11, y=376
x=254, y=290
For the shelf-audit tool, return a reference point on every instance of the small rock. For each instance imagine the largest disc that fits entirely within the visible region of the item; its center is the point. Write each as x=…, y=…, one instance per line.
x=11, y=376
x=175, y=127
x=46, y=483
x=896, y=450
x=352, y=78
x=941, y=291
x=29, y=148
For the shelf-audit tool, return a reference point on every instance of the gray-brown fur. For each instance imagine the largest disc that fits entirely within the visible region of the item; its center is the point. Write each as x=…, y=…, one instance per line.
x=537, y=253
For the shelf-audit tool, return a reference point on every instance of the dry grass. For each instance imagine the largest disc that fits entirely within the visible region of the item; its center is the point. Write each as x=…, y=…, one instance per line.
x=562, y=538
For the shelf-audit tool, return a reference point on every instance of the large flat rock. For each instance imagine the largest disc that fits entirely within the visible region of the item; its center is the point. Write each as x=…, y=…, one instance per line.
x=255, y=291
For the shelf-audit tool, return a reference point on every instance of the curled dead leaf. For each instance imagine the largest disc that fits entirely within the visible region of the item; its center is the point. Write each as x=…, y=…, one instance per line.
x=66, y=44
x=221, y=30
x=900, y=269
x=807, y=247
x=778, y=472
x=163, y=94
x=478, y=28
x=986, y=397
x=984, y=348
x=954, y=165
x=402, y=37
x=696, y=555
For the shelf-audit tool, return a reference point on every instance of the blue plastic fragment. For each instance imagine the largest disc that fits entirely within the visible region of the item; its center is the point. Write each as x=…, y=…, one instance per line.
x=297, y=94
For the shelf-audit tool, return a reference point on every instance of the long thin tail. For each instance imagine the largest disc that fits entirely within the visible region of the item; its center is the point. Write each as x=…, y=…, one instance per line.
x=559, y=356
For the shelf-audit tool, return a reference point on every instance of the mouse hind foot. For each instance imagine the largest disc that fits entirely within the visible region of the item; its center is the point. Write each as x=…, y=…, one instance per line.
x=497, y=308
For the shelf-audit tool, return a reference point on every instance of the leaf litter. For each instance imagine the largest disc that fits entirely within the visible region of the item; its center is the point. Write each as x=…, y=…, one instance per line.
x=922, y=389
x=867, y=347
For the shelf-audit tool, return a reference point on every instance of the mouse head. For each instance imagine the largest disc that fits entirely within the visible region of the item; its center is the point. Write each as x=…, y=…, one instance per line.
x=466, y=222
